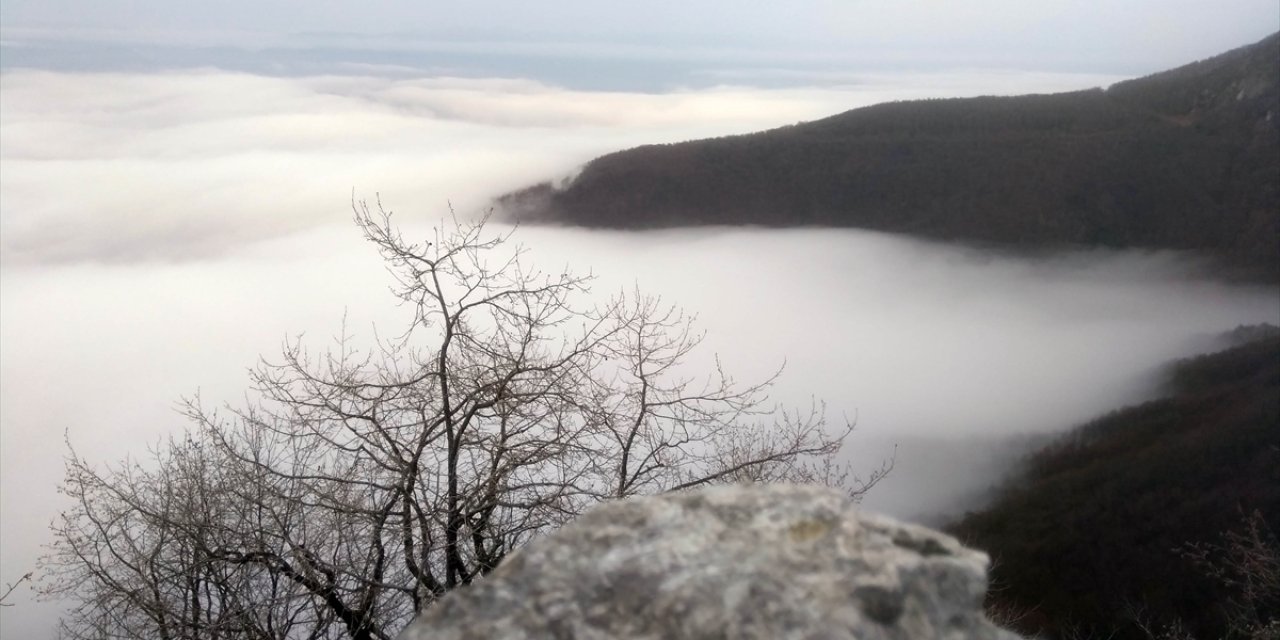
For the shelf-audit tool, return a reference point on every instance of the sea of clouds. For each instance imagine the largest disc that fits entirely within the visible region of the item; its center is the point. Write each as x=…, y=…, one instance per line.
x=160, y=231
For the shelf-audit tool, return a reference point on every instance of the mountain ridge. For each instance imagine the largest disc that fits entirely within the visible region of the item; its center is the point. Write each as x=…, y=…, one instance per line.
x=1185, y=159
x=1097, y=525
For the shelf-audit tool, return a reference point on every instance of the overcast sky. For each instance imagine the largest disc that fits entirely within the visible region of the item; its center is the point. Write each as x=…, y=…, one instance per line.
x=650, y=45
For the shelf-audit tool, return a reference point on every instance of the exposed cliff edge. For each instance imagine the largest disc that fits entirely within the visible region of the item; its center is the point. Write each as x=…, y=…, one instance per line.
x=750, y=561
x=1186, y=159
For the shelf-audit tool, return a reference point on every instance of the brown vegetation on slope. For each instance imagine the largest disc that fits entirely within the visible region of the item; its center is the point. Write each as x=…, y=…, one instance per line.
x=1099, y=536
x=1186, y=159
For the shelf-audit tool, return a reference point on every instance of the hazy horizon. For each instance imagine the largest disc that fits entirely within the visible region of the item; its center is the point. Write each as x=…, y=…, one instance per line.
x=658, y=46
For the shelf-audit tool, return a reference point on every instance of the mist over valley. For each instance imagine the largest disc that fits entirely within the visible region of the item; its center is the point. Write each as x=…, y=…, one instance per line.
x=160, y=230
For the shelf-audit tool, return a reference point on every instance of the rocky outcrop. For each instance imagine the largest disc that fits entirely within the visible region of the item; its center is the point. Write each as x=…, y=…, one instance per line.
x=769, y=562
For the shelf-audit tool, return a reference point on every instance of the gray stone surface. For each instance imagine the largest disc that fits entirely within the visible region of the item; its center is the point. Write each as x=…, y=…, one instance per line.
x=777, y=562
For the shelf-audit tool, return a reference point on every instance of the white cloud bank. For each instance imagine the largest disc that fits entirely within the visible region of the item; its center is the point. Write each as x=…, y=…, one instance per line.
x=121, y=168
x=158, y=232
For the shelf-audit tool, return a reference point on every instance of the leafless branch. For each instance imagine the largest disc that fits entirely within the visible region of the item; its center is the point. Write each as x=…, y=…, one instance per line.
x=356, y=485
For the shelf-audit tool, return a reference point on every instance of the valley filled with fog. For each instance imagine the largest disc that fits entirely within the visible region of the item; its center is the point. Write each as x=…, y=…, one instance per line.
x=162, y=231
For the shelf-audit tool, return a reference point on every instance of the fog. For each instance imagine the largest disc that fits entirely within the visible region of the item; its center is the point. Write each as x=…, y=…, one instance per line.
x=158, y=232
x=944, y=354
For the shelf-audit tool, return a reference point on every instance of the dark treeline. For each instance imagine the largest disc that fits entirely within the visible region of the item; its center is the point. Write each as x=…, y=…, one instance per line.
x=1134, y=526
x=1186, y=159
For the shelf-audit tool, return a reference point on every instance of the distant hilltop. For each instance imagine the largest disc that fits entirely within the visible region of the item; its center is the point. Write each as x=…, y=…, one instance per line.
x=1185, y=159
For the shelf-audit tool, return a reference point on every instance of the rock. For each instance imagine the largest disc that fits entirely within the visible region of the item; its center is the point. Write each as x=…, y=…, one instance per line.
x=771, y=562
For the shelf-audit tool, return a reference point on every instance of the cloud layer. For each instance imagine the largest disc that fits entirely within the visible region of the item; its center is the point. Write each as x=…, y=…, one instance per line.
x=159, y=231
x=119, y=168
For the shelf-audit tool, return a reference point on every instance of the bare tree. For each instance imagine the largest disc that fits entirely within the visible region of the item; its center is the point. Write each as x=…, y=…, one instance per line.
x=360, y=485
x=1246, y=564
x=13, y=586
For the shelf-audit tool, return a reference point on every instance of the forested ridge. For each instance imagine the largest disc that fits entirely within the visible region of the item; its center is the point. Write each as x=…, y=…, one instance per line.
x=1185, y=159
x=1156, y=521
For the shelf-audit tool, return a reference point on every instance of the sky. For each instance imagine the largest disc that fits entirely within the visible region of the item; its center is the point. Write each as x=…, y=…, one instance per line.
x=658, y=45
x=176, y=178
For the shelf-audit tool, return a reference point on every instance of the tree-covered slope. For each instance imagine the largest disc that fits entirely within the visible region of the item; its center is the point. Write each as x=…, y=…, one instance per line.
x=1091, y=538
x=1185, y=159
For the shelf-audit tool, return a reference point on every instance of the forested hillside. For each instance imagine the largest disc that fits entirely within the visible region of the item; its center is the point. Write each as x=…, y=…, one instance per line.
x=1143, y=517
x=1185, y=159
